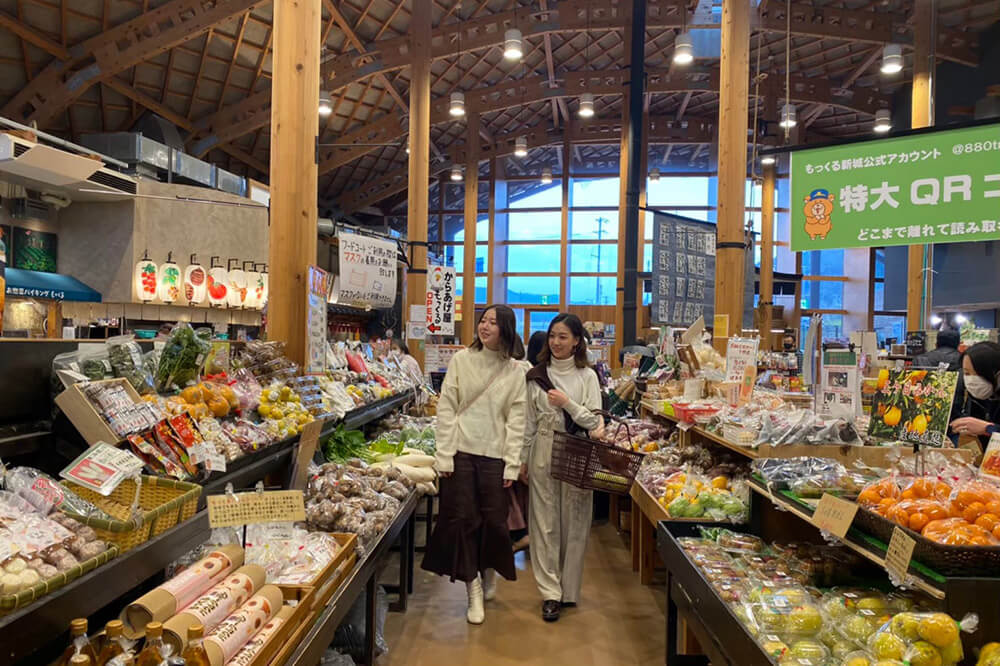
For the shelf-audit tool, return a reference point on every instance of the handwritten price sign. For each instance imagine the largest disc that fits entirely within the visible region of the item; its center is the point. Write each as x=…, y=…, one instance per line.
x=834, y=515
x=367, y=271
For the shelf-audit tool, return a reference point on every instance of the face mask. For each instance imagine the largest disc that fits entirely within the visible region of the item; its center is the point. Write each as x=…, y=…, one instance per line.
x=978, y=387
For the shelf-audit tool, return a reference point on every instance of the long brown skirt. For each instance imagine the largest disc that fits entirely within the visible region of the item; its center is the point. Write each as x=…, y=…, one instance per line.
x=471, y=535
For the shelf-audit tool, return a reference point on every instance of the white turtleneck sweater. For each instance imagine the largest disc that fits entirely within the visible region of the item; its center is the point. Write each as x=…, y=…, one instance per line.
x=581, y=387
x=493, y=425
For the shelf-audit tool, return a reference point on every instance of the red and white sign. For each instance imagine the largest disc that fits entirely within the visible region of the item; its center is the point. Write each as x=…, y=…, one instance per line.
x=440, y=300
x=102, y=468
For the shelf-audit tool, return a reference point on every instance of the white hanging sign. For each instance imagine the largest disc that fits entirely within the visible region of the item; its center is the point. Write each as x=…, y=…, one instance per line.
x=441, y=300
x=367, y=271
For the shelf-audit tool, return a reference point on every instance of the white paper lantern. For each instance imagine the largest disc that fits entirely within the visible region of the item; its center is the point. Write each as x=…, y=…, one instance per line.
x=217, y=281
x=237, y=285
x=169, y=280
x=144, y=279
x=265, y=293
x=194, y=282
x=252, y=301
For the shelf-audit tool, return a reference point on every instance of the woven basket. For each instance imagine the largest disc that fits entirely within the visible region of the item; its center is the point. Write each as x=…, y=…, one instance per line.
x=590, y=464
x=945, y=560
x=163, y=503
x=10, y=602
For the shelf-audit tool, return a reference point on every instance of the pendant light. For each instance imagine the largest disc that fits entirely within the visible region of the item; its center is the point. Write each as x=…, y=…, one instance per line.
x=144, y=279
x=546, y=176
x=456, y=172
x=236, y=284
x=255, y=287
x=264, y=288
x=892, y=59
x=169, y=281
x=325, y=103
x=683, y=49
x=194, y=282
x=217, y=278
x=457, y=107
x=767, y=160
x=521, y=146
x=512, y=49
x=654, y=175
x=788, y=119
x=883, y=121
x=586, y=105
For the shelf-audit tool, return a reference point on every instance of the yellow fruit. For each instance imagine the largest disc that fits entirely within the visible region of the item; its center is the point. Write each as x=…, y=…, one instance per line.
x=883, y=378
x=887, y=646
x=286, y=392
x=892, y=416
x=858, y=661
x=938, y=629
x=953, y=652
x=720, y=482
x=264, y=409
x=192, y=395
x=923, y=653
x=277, y=414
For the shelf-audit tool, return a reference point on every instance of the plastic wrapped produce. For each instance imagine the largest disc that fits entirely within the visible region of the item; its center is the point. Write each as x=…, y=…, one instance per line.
x=126, y=361
x=182, y=357
x=922, y=639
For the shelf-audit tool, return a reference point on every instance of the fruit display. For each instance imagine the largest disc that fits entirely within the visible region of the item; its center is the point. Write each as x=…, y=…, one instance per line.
x=282, y=411
x=811, y=477
x=659, y=465
x=412, y=432
x=696, y=496
x=636, y=435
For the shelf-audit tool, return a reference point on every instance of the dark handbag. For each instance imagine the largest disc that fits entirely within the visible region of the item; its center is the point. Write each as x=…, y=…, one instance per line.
x=540, y=375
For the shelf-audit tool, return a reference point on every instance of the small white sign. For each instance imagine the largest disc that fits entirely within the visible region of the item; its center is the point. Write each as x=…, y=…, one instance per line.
x=418, y=313
x=441, y=300
x=102, y=468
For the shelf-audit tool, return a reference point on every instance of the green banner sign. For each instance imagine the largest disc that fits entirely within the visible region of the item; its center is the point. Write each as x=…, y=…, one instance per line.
x=939, y=187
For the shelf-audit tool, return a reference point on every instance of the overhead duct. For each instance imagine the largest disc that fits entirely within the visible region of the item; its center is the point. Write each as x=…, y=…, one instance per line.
x=61, y=173
x=326, y=227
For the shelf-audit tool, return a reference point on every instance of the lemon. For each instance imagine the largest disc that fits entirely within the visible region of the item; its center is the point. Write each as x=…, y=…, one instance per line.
x=264, y=410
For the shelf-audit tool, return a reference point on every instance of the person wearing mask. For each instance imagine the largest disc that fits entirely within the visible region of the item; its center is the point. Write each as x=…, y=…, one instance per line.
x=980, y=374
x=480, y=434
x=946, y=352
x=563, y=393
x=406, y=360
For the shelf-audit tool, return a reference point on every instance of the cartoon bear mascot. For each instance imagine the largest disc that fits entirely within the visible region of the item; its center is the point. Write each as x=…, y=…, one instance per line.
x=819, y=205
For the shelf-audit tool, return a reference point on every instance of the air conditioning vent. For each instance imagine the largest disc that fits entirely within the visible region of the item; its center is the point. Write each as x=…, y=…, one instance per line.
x=20, y=149
x=24, y=208
x=110, y=179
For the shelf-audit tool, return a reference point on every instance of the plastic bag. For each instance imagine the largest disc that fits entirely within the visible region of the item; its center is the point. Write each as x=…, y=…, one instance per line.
x=350, y=636
x=335, y=658
x=45, y=494
x=126, y=361
x=182, y=357
x=922, y=638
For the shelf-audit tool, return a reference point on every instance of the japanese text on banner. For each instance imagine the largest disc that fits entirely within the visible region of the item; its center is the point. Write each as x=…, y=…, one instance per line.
x=740, y=353
x=367, y=271
x=441, y=301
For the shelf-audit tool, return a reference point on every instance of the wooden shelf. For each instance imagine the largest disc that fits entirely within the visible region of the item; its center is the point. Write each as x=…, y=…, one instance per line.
x=693, y=430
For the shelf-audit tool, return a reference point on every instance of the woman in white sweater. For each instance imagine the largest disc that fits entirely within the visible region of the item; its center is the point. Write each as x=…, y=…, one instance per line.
x=563, y=393
x=479, y=438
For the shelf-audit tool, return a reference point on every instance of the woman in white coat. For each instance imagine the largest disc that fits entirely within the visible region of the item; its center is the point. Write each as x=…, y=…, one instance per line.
x=563, y=392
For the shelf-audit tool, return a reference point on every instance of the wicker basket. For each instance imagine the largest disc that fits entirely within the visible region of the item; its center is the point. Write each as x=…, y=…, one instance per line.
x=164, y=503
x=943, y=559
x=10, y=602
x=589, y=464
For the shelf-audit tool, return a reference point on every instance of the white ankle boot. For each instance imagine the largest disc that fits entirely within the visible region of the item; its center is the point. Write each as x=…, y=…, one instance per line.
x=476, y=613
x=490, y=584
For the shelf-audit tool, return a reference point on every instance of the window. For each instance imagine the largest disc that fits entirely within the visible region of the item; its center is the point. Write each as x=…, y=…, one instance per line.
x=879, y=295
x=480, y=288
x=533, y=290
x=833, y=329
x=678, y=191
x=454, y=228
x=454, y=255
x=819, y=295
x=594, y=192
x=534, y=226
x=533, y=258
x=543, y=196
x=890, y=326
x=823, y=262
x=539, y=321
x=647, y=258
x=593, y=225
x=592, y=258
x=593, y=290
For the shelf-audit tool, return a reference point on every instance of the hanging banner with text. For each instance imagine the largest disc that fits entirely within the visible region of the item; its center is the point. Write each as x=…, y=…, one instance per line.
x=367, y=271
x=440, y=300
x=938, y=187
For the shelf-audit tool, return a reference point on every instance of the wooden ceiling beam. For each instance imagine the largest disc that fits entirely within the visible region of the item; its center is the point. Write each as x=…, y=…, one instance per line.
x=32, y=36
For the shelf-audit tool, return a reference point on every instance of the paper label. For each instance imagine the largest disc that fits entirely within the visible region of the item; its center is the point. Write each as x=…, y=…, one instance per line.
x=304, y=454
x=255, y=507
x=215, y=461
x=102, y=468
x=991, y=459
x=740, y=352
x=720, y=326
x=239, y=627
x=188, y=584
x=834, y=515
x=897, y=557
x=245, y=657
x=216, y=605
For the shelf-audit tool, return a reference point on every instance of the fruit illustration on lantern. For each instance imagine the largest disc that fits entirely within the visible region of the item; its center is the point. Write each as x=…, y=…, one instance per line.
x=170, y=281
x=144, y=279
x=194, y=282
x=217, y=289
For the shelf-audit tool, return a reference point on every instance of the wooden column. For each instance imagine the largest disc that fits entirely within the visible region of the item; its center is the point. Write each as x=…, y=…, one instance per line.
x=472, y=142
x=294, y=126
x=733, y=108
x=491, y=268
x=767, y=256
x=420, y=148
x=921, y=116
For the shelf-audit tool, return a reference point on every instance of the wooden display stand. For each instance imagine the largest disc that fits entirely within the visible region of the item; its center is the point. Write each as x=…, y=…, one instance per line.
x=84, y=416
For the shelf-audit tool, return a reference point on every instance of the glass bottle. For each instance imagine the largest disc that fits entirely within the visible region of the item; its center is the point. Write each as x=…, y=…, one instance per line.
x=112, y=646
x=194, y=654
x=80, y=659
x=78, y=643
x=152, y=652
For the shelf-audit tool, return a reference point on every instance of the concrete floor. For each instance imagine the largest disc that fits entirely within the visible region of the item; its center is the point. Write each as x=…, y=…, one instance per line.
x=618, y=622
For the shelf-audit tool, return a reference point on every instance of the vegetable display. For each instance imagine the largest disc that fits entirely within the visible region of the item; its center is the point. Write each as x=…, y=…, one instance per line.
x=182, y=357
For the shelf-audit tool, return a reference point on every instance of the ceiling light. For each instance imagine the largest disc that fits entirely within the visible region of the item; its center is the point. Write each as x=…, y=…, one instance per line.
x=586, y=105
x=407, y=146
x=456, y=172
x=883, y=121
x=546, y=176
x=788, y=116
x=892, y=59
x=325, y=103
x=521, y=146
x=457, y=107
x=935, y=320
x=961, y=318
x=683, y=49
x=654, y=175
x=512, y=44
x=768, y=160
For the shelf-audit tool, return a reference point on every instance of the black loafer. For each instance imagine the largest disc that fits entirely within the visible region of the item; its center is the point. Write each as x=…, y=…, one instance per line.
x=550, y=610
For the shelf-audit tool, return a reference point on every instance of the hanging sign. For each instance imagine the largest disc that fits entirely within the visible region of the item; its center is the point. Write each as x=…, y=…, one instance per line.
x=316, y=321
x=740, y=353
x=840, y=395
x=913, y=406
x=938, y=187
x=441, y=300
x=367, y=271
x=255, y=507
x=437, y=357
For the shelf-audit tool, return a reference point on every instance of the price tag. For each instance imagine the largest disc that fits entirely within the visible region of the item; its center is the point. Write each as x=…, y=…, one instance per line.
x=102, y=468
x=306, y=449
x=834, y=515
x=256, y=507
x=198, y=453
x=897, y=557
x=214, y=461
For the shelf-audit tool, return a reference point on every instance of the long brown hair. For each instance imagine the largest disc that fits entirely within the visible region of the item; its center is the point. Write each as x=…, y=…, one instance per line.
x=575, y=326
x=510, y=342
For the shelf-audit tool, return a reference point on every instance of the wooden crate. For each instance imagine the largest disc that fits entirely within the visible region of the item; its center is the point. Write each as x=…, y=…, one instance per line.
x=333, y=572
x=303, y=602
x=85, y=417
x=288, y=647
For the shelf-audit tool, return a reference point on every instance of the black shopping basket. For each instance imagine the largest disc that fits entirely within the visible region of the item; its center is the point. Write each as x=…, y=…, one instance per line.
x=590, y=464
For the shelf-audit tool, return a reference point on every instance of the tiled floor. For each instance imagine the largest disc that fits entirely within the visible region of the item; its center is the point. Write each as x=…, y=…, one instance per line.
x=618, y=622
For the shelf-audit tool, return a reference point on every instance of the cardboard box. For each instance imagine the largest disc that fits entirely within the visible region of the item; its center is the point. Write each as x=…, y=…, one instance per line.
x=84, y=415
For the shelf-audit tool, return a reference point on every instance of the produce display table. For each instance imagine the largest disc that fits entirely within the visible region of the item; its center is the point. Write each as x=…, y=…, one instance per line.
x=319, y=636
x=646, y=515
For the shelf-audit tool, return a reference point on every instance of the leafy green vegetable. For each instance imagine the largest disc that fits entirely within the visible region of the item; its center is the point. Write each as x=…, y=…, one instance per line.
x=383, y=445
x=342, y=445
x=182, y=357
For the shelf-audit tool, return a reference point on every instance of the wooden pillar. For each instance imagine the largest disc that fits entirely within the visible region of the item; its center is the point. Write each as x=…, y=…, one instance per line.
x=733, y=107
x=471, y=218
x=767, y=256
x=491, y=257
x=921, y=116
x=635, y=174
x=420, y=148
x=294, y=126
x=567, y=156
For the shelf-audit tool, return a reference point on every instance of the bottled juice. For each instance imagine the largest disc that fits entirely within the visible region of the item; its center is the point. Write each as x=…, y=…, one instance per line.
x=112, y=642
x=78, y=643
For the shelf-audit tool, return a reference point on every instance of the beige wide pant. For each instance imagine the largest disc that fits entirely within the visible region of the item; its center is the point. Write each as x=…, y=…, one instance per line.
x=560, y=516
